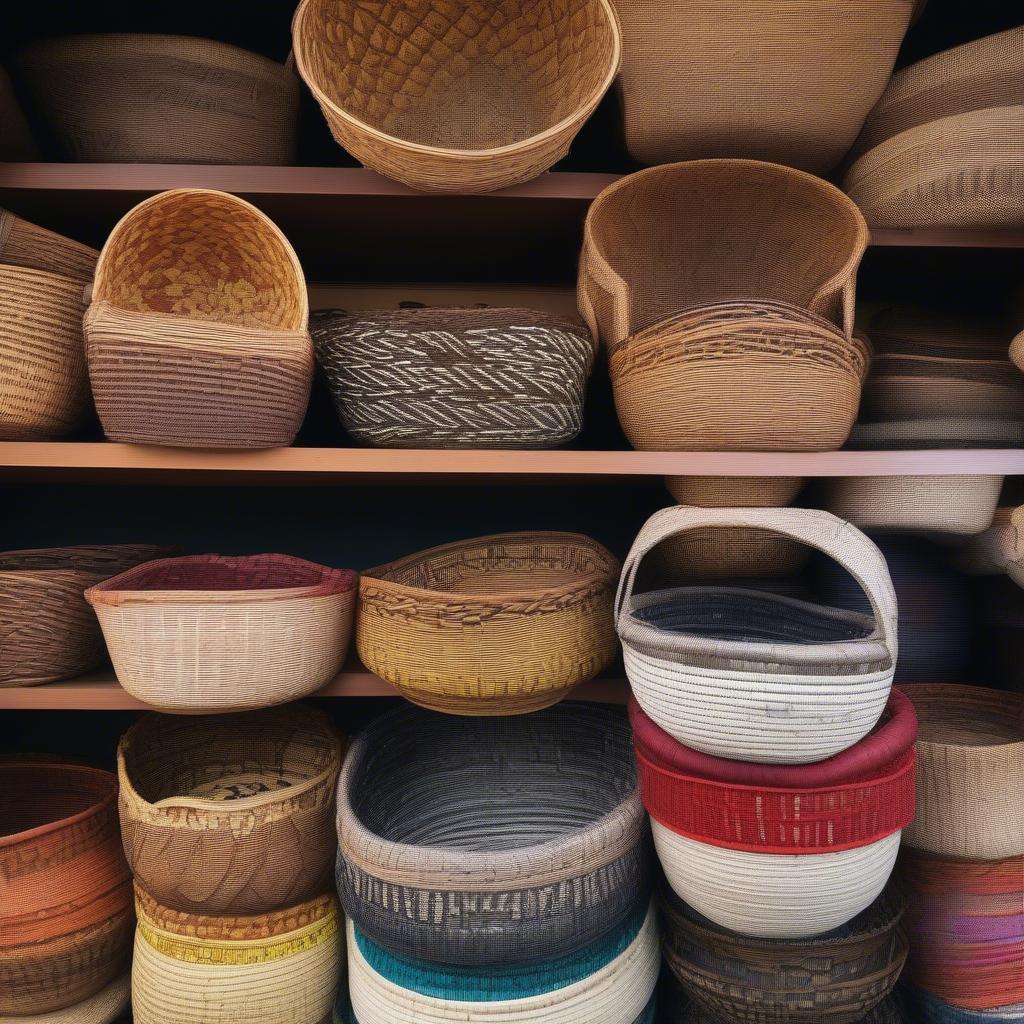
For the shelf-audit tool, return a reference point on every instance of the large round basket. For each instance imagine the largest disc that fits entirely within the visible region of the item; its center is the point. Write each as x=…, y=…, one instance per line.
x=497, y=625
x=198, y=330
x=66, y=915
x=491, y=841
x=108, y=1006
x=212, y=633
x=233, y=814
x=469, y=96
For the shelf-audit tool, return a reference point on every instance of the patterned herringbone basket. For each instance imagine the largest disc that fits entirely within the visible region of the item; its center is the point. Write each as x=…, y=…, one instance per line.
x=455, y=378
x=197, y=334
x=463, y=96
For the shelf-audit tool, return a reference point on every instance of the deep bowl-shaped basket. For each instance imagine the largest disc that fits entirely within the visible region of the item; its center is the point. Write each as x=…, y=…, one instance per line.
x=491, y=841
x=213, y=633
x=497, y=625
x=464, y=96
x=230, y=814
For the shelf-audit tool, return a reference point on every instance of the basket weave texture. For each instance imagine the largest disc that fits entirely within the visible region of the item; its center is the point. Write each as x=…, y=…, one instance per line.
x=108, y=1006
x=23, y=244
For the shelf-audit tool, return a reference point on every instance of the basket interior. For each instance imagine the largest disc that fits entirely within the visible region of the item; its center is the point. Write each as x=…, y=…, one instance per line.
x=975, y=719
x=218, y=573
x=34, y=795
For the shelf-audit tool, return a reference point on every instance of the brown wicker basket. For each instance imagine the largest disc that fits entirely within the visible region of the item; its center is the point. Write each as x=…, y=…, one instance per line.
x=16, y=142
x=23, y=244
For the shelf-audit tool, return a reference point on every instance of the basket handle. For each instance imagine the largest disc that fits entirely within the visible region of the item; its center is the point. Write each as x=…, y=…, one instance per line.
x=835, y=537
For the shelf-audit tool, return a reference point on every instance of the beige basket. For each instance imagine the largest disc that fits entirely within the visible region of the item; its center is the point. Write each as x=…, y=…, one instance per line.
x=16, y=142
x=457, y=95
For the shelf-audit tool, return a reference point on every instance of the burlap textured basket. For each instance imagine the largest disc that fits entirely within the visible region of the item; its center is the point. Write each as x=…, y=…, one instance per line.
x=16, y=142
x=65, y=915
x=279, y=968
x=970, y=772
x=491, y=841
x=212, y=633
x=231, y=814
x=497, y=625
x=159, y=99
x=708, y=231
x=197, y=334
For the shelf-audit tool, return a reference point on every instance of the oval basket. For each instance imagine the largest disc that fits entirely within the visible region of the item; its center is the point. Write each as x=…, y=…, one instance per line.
x=230, y=814
x=455, y=378
x=497, y=625
x=465, y=97
x=197, y=335
x=491, y=841
x=970, y=772
x=213, y=633
x=108, y=1006
x=66, y=915
x=279, y=968
x=739, y=376
x=709, y=231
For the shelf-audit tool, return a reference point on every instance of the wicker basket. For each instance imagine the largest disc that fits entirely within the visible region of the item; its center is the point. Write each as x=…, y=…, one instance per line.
x=49, y=631
x=497, y=625
x=211, y=633
x=970, y=772
x=23, y=244
x=108, y=1006
x=65, y=916
x=159, y=99
x=16, y=142
x=280, y=968
x=789, y=82
x=469, y=96
x=455, y=378
x=708, y=231
x=549, y=856
x=197, y=334
x=739, y=376
x=933, y=1010
x=751, y=675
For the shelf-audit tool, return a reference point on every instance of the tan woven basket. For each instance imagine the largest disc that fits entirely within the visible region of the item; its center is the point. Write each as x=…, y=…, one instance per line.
x=197, y=335
x=457, y=95
x=232, y=814
x=696, y=233
x=23, y=244
x=160, y=99
x=16, y=142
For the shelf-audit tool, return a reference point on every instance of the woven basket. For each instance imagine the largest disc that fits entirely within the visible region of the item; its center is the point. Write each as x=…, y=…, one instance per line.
x=470, y=96
x=933, y=1010
x=108, y=1006
x=709, y=231
x=491, y=841
x=970, y=772
x=197, y=333
x=751, y=675
x=455, y=378
x=16, y=142
x=23, y=244
x=213, y=633
x=65, y=916
x=789, y=82
x=680, y=1011
x=159, y=99
x=230, y=815
x=280, y=968
x=497, y=625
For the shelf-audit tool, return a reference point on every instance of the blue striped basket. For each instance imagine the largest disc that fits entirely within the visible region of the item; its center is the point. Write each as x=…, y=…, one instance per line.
x=932, y=1010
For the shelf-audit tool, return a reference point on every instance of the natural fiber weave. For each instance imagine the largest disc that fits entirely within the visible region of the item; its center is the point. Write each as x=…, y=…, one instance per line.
x=160, y=99
x=491, y=841
x=457, y=95
x=16, y=142
x=231, y=814
x=65, y=915
x=215, y=633
x=739, y=376
x=933, y=1010
x=709, y=231
x=455, y=378
x=497, y=625
x=23, y=244
x=198, y=335
x=106, y=1007
x=970, y=772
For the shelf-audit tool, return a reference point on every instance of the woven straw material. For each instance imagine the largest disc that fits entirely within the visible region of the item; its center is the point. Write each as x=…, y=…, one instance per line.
x=739, y=376
x=211, y=633
x=106, y=1007
x=23, y=244
x=49, y=630
x=476, y=841
x=970, y=772
x=160, y=99
x=198, y=335
x=280, y=968
x=457, y=95
x=933, y=1010
x=455, y=378
x=709, y=231
x=754, y=676
x=497, y=625
x=16, y=142
x=65, y=916
x=231, y=814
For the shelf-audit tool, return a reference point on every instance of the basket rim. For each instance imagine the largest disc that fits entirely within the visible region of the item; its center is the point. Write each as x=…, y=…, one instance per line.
x=954, y=691
x=71, y=550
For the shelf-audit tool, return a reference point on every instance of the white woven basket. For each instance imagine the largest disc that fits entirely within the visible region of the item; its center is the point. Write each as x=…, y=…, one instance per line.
x=106, y=1007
